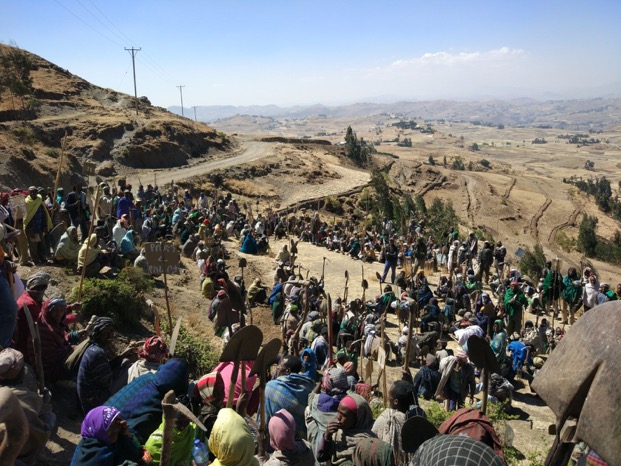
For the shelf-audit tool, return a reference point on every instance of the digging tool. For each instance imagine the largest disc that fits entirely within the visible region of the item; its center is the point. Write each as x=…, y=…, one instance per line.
x=323, y=267
x=482, y=356
x=345, y=290
x=88, y=243
x=171, y=407
x=379, y=279
x=416, y=431
x=266, y=357
x=330, y=331
x=243, y=346
x=166, y=288
x=60, y=167
x=408, y=346
x=36, y=344
x=242, y=264
x=175, y=336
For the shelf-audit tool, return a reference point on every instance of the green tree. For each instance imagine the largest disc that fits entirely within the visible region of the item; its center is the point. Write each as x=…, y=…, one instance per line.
x=15, y=68
x=587, y=237
x=431, y=160
x=532, y=262
x=474, y=147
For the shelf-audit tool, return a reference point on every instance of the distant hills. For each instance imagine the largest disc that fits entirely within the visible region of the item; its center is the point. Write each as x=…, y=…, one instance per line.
x=597, y=113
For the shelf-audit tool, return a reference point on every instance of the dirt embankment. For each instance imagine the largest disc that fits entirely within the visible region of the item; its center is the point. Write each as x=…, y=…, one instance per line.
x=102, y=127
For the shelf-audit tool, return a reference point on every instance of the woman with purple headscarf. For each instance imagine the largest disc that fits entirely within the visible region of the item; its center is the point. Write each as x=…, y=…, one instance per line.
x=106, y=440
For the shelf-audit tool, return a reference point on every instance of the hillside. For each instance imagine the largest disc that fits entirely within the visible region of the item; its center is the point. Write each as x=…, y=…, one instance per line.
x=599, y=113
x=102, y=127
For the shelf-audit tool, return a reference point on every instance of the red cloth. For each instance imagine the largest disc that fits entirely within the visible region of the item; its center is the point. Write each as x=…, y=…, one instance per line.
x=22, y=332
x=226, y=370
x=55, y=347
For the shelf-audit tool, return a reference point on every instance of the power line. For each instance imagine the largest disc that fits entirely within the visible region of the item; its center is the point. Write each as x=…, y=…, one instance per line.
x=101, y=22
x=88, y=25
x=107, y=19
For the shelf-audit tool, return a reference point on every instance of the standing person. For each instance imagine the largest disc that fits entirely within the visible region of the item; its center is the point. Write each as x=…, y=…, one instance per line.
x=75, y=205
x=590, y=293
x=106, y=203
x=486, y=259
x=500, y=253
x=457, y=381
x=37, y=224
x=551, y=288
x=515, y=301
x=572, y=294
x=420, y=255
x=390, y=263
x=289, y=391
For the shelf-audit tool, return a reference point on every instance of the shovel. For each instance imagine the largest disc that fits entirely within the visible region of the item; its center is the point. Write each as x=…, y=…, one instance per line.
x=243, y=346
x=266, y=357
x=482, y=356
x=175, y=336
x=379, y=279
x=346, y=287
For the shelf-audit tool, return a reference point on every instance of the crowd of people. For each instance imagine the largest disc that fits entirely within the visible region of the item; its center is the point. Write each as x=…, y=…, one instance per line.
x=320, y=398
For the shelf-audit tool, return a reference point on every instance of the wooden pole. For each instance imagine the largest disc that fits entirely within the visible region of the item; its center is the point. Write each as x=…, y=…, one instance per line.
x=330, y=331
x=262, y=436
x=408, y=346
x=36, y=344
x=170, y=418
x=170, y=324
x=88, y=243
x=384, y=383
x=485, y=389
x=60, y=166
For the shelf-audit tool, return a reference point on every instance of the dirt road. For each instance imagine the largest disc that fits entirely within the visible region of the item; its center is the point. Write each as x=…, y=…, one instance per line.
x=249, y=151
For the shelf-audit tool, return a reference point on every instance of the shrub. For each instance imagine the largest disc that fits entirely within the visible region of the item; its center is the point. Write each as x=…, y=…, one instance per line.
x=565, y=242
x=195, y=350
x=52, y=152
x=137, y=278
x=24, y=135
x=436, y=414
x=485, y=163
x=116, y=299
x=333, y=205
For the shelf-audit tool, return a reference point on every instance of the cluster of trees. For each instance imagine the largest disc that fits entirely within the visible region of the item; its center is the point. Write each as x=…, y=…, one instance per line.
x=406, y=124
x=406, y=142
x=357, y=150
x=539, y=141
x=580, y=139
x=15, y=67
x=601, y=189
x=489, y=124
x=402, y=208
x=594, y=246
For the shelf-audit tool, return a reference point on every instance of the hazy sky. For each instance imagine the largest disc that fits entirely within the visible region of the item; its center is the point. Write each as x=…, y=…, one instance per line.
x=305, y=52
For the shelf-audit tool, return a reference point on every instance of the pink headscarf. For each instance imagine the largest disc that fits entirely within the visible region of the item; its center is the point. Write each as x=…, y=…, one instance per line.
x=282, y=431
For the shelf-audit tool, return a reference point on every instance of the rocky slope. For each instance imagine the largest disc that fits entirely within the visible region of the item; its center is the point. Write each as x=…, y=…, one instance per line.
x=102, y=127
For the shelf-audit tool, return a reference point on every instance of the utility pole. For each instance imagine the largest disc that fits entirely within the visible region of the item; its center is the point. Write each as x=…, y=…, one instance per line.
x=181, y=93
x=194, y=107
x=133, y=53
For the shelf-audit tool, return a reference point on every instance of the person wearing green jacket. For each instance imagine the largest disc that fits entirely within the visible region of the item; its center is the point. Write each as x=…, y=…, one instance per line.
x=572, y=294
x=514, y=306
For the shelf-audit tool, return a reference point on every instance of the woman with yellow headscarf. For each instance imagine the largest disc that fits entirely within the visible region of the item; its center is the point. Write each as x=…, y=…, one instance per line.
x=231, y=441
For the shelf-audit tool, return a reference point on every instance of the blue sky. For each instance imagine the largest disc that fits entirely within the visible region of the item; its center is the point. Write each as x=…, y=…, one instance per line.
x=305, y=52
